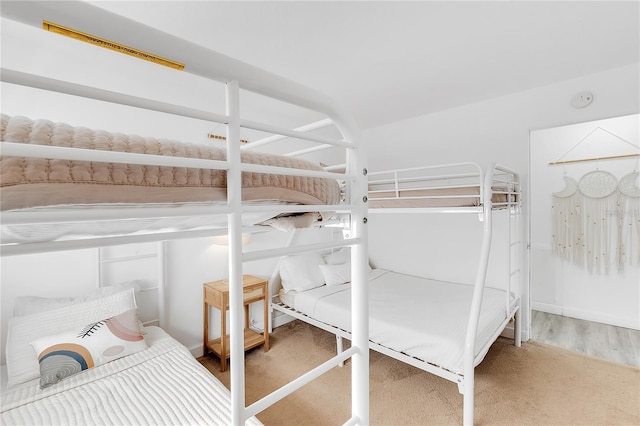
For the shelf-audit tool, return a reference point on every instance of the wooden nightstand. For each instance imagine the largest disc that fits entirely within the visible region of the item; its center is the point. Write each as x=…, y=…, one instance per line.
x=216, y=294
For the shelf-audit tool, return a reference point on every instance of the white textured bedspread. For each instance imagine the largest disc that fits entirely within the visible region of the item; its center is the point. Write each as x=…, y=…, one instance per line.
x=34, y=182
x=158, y=386
x=423, y=318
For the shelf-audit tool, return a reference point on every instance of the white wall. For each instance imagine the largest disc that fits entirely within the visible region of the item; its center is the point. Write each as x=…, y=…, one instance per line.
x=494, y=130
x=61, y=274
x=559, y=286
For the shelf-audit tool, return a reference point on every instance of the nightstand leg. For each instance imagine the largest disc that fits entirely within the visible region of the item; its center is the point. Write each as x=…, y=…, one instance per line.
x=223, y=341
x=246, y=317
x=266, y=319
x=205, y=326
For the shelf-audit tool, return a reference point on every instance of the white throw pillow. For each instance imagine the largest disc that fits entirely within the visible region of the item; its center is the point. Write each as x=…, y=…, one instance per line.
x=338, y=257
x=22, y=363
x=336, y=274
x=301, y=272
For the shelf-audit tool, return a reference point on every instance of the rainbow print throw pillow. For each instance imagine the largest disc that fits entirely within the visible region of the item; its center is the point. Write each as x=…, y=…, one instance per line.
x=69, y=353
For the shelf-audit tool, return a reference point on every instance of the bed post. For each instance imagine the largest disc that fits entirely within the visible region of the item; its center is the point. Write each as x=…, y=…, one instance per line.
x=514, y=221
x=234, y=200
x=274, y=276
x=468, y=384
x=162, y=284
x=357, y=197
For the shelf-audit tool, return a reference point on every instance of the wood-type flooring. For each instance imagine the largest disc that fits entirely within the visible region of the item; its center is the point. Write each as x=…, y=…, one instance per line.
x=617, y=344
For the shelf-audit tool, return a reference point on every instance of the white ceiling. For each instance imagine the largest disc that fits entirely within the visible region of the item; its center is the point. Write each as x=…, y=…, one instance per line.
x=388, y=61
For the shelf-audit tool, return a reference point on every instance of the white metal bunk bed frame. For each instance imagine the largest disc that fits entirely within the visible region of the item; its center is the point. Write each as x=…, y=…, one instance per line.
x=498, y=179
x=211, y=65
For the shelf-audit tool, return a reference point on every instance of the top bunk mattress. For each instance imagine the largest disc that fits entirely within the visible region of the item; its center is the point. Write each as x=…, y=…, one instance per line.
x=420, y=317
x=35, y=182
x=442, y=197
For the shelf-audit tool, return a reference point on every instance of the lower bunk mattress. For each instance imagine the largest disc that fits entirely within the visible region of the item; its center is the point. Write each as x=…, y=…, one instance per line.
x=160, y=385
x=419, y=317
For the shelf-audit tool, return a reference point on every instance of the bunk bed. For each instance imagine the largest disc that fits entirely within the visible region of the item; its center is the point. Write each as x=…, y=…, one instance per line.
x=31, y=225
x=445, y=328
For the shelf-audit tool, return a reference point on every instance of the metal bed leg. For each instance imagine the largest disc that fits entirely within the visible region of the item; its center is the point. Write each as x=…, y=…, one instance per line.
x=468, y=400
x=517, y=329
x=339, y=348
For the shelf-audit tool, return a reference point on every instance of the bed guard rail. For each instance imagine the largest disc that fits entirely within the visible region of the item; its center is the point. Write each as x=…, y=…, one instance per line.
x=439, y=186
x=448, y=188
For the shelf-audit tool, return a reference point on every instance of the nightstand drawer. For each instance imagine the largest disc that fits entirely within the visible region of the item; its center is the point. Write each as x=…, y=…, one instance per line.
x=212, y=297
x=251, y=293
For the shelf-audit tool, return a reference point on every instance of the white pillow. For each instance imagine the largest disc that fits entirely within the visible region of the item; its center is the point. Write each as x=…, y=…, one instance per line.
x=338, y=257
x=301, y=272
x=336, y=274
x=22, y=363
x=65, y=354
x=27, y=305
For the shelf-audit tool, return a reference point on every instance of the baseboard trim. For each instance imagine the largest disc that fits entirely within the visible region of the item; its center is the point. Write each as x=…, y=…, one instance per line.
x=196, y=350
x=586, y=315
x=546, y=307
x=281, y=319
x=509, y=332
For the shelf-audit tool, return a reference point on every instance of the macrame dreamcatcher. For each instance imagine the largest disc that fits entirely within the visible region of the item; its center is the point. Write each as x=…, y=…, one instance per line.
x=567, y=223
x=599, y=199
x=596, y=221
x=628, y=249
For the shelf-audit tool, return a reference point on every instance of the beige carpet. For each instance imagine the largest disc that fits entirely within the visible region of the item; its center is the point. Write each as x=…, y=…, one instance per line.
x=532, y=385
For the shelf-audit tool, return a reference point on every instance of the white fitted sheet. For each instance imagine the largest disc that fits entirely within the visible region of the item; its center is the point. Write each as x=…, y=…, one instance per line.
x=424, y=318
x=163, y=384
x=78, y=229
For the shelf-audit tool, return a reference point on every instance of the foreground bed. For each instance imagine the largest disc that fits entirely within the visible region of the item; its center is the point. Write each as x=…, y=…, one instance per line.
x=163, y=384
x=113, y=372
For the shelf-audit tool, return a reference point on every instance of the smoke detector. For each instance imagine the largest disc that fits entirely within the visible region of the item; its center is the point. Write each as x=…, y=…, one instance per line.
x=582, y=100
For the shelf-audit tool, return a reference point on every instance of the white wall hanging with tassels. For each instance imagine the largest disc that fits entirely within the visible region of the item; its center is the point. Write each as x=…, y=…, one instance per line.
x=596, y=219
